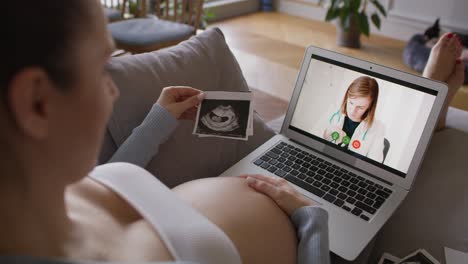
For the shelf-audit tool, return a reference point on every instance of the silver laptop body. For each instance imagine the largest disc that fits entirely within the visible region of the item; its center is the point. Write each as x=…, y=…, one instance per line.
x=378, y=163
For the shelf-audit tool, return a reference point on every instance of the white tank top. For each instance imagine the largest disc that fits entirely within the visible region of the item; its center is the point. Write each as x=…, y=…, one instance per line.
x=188, y=235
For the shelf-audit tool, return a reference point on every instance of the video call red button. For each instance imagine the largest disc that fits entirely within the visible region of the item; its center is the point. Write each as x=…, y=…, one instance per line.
x=356, y=144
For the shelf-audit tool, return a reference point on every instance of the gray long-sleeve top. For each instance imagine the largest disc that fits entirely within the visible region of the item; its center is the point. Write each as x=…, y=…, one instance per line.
x=142, y=145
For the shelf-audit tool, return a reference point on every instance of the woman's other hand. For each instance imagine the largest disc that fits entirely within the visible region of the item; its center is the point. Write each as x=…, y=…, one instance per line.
x=279, y=190
x=181, y=101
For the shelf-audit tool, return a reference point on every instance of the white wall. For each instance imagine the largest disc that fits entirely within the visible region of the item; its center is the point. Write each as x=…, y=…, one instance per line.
x=405, y=17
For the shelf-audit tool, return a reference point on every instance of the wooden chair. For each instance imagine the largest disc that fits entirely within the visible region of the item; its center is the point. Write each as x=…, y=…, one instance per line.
x=173, y=21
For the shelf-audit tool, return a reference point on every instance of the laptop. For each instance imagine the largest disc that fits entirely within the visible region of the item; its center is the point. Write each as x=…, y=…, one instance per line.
x=352, y=140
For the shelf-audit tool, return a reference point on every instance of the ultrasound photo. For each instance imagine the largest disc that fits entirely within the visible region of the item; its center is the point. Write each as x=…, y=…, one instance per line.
x=228, y=118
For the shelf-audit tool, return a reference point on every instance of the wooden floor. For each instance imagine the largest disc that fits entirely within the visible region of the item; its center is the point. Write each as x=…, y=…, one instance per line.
x=270, y=46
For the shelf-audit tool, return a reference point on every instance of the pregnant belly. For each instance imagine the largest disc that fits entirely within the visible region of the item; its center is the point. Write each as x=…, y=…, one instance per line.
x=259, y=229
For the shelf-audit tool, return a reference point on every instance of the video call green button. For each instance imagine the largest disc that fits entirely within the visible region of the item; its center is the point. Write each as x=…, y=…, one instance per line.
x=346, y=140
x=335, y=135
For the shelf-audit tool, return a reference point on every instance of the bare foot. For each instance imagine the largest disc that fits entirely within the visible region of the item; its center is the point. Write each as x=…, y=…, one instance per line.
x=445, y=65
x=454, y=82
x=442, y=59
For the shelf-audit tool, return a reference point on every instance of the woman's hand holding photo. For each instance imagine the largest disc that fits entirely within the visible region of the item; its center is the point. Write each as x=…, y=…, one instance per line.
x=181, y=101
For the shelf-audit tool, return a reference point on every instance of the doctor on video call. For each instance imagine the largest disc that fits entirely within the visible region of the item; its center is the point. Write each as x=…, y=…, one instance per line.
x=352, y=124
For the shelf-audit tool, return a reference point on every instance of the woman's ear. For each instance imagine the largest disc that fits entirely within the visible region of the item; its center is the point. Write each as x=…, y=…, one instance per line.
x=29, y=96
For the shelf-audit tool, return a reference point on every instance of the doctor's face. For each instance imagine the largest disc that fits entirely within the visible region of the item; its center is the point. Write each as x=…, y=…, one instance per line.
x=356, y=107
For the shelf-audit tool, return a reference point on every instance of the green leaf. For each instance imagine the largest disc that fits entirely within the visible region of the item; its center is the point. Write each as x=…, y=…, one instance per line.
x=346, y=3
x=376, y=20
x=210, y=14
x=363, y=23
x=380, y=7
x=344, y=13
x=354, y=5
x=332, y=13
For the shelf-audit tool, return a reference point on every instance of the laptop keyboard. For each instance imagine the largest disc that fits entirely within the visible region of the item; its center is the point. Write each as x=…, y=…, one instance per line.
x=329, y=181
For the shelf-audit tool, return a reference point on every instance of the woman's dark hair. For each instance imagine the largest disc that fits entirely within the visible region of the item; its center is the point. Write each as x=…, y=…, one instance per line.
x=41, y=34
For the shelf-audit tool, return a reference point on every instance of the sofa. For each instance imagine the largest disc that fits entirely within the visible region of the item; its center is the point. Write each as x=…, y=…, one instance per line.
x=434, y=215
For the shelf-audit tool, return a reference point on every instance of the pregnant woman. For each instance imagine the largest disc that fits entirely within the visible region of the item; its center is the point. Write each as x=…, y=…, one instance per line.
x=56, y=98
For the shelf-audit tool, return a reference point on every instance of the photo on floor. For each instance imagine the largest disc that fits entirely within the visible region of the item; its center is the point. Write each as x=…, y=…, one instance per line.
x=420, y=256
x=225, y=114
x=388, y=259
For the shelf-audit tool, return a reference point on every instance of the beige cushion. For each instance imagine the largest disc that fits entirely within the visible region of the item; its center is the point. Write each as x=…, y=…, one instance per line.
x=204, y=62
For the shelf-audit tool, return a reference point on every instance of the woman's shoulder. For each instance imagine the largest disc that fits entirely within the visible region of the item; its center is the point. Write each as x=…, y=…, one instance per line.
x=92, y=194
x=92, y=188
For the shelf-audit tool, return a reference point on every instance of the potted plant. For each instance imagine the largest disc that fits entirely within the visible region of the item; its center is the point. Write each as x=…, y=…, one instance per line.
x=352, y=19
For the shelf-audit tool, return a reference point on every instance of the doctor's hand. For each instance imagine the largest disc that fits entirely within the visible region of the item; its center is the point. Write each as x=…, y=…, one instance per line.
x=328, y=134
x=279, y=190
x=181, y=101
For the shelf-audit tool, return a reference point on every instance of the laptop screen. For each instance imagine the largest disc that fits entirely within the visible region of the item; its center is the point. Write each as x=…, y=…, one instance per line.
x=371, y=116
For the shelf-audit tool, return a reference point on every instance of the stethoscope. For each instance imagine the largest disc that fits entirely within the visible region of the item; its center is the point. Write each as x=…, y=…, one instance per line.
x=337, y=113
